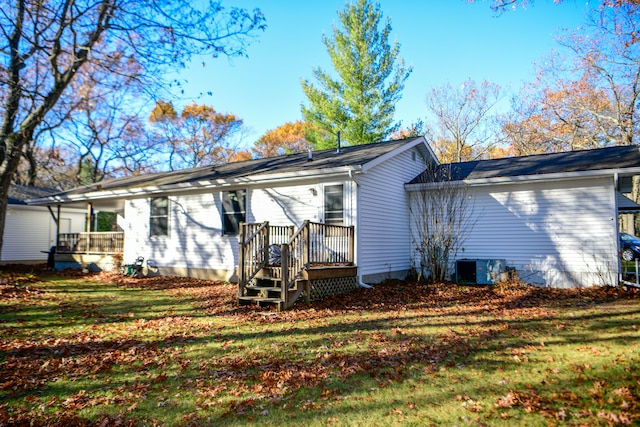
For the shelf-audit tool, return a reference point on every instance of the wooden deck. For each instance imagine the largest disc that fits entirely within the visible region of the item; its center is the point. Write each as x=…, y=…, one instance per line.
x=278, y=264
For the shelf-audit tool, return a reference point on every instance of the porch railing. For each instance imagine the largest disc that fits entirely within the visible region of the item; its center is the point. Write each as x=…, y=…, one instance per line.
x=90, y=243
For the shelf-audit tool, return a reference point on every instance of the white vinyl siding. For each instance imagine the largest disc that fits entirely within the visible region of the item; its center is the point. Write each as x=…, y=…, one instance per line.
x=374, y=202
x=285, y=205
x=559, y=233
x=29, y=230
x=384, y=242
x=195, y=236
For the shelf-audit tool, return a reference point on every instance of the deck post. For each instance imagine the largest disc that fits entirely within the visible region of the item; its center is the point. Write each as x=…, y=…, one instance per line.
x=284, y=265
x=242, y=274
x=352, y=246
x=306, y=245
x=265, y=244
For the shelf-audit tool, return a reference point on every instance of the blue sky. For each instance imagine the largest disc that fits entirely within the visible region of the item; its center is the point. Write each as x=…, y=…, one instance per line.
x=446, y=41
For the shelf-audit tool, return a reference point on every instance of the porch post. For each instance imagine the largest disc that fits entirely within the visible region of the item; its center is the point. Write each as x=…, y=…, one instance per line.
x=88, y=225
x=58, y=228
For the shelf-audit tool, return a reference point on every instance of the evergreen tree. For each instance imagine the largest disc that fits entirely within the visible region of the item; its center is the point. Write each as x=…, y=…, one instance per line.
x=360, y=103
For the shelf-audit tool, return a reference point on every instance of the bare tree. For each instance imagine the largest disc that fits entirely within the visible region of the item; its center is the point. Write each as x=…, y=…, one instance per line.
x=606, y=53
x=198, y=136
x=442, y=216
x=500, y=6
x=463, y=127
x=45, y=43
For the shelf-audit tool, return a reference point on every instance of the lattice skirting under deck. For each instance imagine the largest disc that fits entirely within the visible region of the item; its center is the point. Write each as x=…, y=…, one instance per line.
x=321, y=288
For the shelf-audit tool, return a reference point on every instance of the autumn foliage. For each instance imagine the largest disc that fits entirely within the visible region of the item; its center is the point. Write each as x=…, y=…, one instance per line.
x=111, y=350
x=288, y=138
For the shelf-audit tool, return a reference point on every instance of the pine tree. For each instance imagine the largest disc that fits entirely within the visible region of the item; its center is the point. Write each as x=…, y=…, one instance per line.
x=360, y=103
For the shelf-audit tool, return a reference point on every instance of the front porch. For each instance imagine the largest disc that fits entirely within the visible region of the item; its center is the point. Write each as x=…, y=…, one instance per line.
x=278, y=264
x=94, y=251
x=104, y=243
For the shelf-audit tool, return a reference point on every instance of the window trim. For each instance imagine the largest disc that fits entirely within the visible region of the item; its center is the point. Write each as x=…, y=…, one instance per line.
x=242, y=214
x=153, y=216
x=324, y=204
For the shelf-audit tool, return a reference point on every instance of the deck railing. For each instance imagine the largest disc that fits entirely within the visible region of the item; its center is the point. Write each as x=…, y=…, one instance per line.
x=90, y=243
x=254, y=252
x=312, y=244
x=331, y=244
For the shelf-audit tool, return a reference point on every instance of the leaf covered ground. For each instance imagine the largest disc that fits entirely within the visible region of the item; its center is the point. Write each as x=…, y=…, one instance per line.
x=105, y=349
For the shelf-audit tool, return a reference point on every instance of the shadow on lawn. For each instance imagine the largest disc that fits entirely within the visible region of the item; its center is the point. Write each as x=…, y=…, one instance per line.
x=454, y=326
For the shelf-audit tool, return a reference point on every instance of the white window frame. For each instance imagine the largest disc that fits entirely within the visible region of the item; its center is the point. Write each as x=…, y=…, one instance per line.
x=237, y=214
x=155, y=216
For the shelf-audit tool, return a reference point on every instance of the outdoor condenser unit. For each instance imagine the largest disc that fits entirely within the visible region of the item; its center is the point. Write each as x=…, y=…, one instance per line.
x=479, y=271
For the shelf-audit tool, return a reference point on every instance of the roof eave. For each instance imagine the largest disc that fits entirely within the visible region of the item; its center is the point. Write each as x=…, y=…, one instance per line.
x=196, y=185
x=530, y=178
x=419, y=140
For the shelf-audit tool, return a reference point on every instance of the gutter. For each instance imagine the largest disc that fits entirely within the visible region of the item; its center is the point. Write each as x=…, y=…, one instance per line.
x=527, y=178
x=195, y=185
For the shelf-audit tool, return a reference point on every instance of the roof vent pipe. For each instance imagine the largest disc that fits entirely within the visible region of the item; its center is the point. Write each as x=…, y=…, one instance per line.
x=338, y=151
x=310, y=158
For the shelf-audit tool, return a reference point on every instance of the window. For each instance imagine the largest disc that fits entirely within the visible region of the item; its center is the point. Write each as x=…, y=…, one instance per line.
x=333, y=205
x=233, y=210
x=159, y=217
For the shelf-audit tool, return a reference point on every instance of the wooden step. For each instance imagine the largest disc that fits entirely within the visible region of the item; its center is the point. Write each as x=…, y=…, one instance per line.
x=269, y=272
x=260, y=301
x=268, y=281
x=263, y=291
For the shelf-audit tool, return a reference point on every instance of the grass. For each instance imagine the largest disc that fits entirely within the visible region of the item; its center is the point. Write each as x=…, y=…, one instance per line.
x=178, y=352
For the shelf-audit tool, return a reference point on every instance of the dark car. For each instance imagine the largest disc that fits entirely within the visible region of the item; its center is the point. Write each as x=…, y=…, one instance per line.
x=629, y=247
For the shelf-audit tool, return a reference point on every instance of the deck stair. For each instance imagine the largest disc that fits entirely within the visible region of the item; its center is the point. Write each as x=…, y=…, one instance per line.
x=267, y=291
x=275, y=261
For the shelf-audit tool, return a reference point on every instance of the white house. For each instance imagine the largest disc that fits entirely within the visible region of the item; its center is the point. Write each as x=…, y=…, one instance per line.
x=30, y=231
x=186, y=222
x=551, y=217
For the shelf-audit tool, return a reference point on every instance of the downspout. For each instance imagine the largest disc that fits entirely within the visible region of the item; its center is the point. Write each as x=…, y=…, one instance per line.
x=358, y=231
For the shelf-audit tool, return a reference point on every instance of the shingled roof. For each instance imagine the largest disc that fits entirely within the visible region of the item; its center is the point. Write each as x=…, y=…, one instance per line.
x=609, y=158
x=350, y=156
x=19, y=193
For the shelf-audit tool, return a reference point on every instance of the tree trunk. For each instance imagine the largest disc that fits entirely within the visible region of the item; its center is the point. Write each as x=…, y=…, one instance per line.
x=8, y=167
x=33, y=165
x=13, y=145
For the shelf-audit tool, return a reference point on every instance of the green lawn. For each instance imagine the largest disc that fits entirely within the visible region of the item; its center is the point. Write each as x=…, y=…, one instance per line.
x=178, y=352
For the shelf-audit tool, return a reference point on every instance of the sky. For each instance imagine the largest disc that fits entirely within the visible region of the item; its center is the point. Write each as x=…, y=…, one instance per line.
x=445, y=41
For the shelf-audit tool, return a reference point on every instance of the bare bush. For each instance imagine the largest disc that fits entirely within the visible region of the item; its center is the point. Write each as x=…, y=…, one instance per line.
x=441, y=210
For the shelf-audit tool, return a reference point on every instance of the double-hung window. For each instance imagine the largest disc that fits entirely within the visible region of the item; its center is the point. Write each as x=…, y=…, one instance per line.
x=334, y=205
x=234, y=210
x=159, y=216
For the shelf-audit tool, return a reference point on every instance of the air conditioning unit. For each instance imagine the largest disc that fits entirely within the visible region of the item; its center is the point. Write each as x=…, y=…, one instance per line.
x=480, y=271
